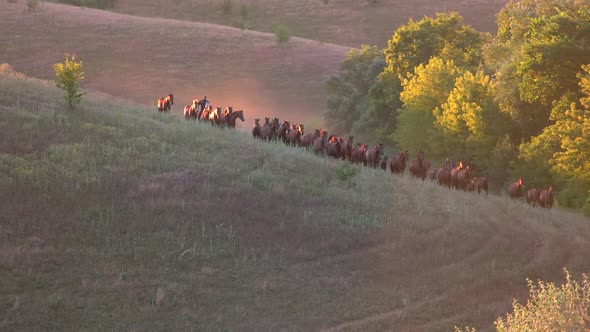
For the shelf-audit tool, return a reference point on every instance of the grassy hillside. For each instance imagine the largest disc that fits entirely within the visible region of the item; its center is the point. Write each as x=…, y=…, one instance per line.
x=145, y=58
x=344, y=22
x=117, y=217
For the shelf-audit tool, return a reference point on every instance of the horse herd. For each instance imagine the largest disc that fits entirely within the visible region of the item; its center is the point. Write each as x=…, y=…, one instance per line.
x=450, y=174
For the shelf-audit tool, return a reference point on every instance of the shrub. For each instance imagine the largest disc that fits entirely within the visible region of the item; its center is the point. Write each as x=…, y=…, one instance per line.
x=586, y=208
x=69, y=74
x=346, y=172
x=226, y=6
x=282, y=33
x=551, y=308
x=32, y=5
x=100, y=4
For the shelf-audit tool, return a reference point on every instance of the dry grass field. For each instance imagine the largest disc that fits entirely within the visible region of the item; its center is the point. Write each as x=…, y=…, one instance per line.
x=145, y=58
x=115, y=217
x=344, y=22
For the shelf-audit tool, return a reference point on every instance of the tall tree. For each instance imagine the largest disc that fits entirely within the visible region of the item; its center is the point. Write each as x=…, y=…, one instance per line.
x=427, y=89
x=536, y=55
x=347, y=91
x=444, y=36
x=471, y=119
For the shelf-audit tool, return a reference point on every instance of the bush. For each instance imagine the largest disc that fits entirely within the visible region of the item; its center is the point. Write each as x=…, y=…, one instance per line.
x=282, y=33
x=586, y=208
x=346, y=172
x=100, y=4
x=551, y=308
x=226, y=6
x=32, y=5
x=69, y=74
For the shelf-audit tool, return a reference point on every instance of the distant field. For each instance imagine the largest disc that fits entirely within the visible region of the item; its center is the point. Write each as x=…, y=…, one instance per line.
x=115, y=217
x=145, y=58
x=344, y=22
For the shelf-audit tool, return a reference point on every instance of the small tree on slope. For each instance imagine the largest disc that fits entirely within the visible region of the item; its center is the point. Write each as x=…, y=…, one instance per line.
x=69, y=74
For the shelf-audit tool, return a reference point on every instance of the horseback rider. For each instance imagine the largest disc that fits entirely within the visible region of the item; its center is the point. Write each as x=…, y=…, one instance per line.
x=203, y=103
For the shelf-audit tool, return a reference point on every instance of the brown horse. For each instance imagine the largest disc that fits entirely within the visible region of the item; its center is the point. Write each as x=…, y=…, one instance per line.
x=256, y=129
x=418, y=167
x=215, y=117
x=454, y=171
x=346, y=148
x=358, y=154
x=463, y=178
x=333, y=147
x=319, y=144
x=281, y=132
x=532, y=196
x=294, y=136
x=165, y=104
x=266, y=133
x=546, y=197
x=307, y=139
x=444, y=177
x=397, y=164
x=515, y=190
x=431, y=174
x=205, y=113
x=230, y=119
x=481, y=184
x=373, y=155
x=383, y=163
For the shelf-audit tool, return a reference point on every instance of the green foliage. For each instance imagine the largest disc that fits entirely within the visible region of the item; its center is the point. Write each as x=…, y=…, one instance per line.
x=347, y=91
x=226, y=6
x=244, y=11
x=100, y=4
x=444, y=36
x=426, y=90
x=498, y=170
x=282, y=33
x=32, y=5
x=69, y=74
x=346, y=172
x=471, y=119
x=540, y=47
x=378, y=118
x=551, y=308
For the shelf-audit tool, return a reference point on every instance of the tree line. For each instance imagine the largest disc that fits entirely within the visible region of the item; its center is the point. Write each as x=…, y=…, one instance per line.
x=515, y=104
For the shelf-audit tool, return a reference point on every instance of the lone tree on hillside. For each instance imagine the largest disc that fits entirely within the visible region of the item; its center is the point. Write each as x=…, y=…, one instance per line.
x=69, y=74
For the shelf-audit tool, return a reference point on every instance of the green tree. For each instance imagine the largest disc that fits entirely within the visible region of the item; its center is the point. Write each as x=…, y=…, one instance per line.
x=426, y=90
x=471, y=119
x=536, y=55
x=444, y=36
x=69, y=74
x=347, y=91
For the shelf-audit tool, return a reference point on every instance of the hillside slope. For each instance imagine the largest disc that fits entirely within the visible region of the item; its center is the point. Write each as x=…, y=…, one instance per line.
x=145, y=58
x=119, y=218
x=344, y=22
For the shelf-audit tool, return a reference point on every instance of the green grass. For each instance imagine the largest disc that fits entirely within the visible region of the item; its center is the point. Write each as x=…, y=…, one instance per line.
x=116, y=217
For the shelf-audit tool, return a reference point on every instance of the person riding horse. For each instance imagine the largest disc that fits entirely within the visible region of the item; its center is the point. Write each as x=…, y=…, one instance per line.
x=203, y=103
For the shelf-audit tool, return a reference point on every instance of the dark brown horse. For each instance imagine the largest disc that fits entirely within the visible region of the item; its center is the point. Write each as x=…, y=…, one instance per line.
x=481, y=184
x=431, y=174
x=307, y=139
x=532, y=196
x=546, y=197
x=373, y=155
x=165, y=104
x=444, y=177
x=334, y=147
x=515, y=190
x=266, y=133
x=282, y=131
x=383, y=163
x=397, y=164
x=463, y=178
x=319, y=144
x=256, y=129
x=358, y=154
x=418, y=167
x=230, y=119
x=346, y=148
